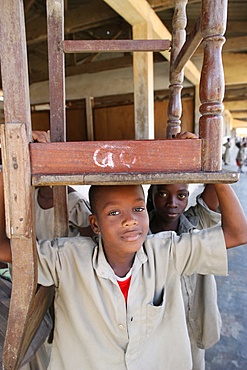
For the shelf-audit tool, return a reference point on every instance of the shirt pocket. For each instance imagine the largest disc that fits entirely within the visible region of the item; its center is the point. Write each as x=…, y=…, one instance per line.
x=155, y=313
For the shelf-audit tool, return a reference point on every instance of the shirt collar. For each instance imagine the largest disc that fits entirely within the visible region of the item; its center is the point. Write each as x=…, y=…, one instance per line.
x=102, y=267
x=186, y=225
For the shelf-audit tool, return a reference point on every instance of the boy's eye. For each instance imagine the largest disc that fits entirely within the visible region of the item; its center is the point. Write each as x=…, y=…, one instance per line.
x=139, y=209
x=113, y=213
x=163, y=195
x=182, y=196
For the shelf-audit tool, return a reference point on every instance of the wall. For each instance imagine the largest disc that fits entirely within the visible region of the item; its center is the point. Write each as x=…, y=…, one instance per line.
x=114, y=82
x=114, y=122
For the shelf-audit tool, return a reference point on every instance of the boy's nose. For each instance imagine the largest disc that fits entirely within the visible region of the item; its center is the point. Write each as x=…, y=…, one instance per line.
x=130, y=221
x=172, y=202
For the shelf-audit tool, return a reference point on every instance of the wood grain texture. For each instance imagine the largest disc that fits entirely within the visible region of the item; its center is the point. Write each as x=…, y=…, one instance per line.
x=116, y=157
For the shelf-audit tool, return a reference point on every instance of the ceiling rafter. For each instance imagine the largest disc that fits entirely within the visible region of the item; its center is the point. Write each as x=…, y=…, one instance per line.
x=140, y=11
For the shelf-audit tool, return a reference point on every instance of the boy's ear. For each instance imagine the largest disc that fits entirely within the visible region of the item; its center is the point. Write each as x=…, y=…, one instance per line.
x=94, y=224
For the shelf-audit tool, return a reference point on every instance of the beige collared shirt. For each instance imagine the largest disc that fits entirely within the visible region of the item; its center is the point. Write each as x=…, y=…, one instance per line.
x=93, y=327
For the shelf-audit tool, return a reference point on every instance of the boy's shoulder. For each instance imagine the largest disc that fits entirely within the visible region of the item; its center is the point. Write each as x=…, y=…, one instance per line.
x=76, y=246
x=159, y=239
x=74, y=242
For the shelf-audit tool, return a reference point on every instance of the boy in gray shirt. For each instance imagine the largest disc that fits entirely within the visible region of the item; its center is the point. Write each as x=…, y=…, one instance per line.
x=118, y=301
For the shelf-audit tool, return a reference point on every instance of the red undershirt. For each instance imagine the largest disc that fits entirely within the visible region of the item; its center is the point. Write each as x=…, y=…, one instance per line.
x=124, y=284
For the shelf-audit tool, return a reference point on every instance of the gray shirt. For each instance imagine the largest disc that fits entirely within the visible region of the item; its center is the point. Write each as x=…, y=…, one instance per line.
x=200, y=291
x=95, y=329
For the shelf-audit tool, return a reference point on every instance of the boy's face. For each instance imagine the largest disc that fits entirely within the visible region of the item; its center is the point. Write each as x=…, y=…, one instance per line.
x=121, y=219
x=170, y=200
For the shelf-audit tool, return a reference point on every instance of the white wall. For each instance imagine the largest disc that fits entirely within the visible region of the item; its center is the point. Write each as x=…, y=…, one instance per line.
x=104, y=83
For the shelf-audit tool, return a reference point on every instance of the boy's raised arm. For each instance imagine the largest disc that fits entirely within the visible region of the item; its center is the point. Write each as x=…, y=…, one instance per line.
x=5, y=251
x=209, y=196
x=234, y=221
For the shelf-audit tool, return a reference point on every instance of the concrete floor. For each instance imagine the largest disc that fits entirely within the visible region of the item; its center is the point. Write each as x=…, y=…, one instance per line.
x=230, y=352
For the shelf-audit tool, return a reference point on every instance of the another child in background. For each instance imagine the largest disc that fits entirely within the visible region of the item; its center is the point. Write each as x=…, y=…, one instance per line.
x=241, y=155
x=167, y=204
x=227, y=154
x=78, y=212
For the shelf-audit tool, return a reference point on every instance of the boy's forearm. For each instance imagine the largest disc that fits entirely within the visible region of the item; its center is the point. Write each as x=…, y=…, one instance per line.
x=234, y=222
x=5, y=250
x=210, y=197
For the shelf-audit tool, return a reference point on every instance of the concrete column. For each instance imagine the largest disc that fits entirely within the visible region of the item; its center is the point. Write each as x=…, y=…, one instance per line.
x=143, y=86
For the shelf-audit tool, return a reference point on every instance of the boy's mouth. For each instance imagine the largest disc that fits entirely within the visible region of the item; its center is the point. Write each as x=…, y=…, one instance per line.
x=172, y=215
x=131, y=235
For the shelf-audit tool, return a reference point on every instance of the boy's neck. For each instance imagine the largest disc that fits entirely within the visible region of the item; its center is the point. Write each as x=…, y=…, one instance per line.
x=121, y=265
x=121, y=271
x=157, y=226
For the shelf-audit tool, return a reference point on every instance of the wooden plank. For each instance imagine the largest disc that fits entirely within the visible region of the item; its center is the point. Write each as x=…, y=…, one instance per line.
x=14, y=68
x=40, y=304
x=24, y=277
x=55, y=29
x=60, y=211
x=142, y=178
x=97, y=46
x=143, y=86
x=89, y=116
x=16, y=133
x=192, y=42
x=115, y=156
x=18, y=201
x=17, y=184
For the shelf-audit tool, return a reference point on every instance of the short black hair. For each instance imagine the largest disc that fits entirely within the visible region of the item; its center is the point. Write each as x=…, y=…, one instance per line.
x=93, y=194
x=150, y=205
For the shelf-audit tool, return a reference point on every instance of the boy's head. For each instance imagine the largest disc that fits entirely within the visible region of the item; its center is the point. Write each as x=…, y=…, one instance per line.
x=168, y=200
x=119, y=214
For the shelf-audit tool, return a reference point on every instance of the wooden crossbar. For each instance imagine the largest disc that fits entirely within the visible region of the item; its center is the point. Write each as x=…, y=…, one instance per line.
x=96, y=46
x=192, y=42
x=115, y=156
x=125, y=162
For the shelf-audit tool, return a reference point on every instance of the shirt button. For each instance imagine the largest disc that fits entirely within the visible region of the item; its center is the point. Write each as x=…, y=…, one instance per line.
x=121, y=326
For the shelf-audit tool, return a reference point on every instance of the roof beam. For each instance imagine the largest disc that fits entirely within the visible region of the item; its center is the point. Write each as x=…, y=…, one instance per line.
x=81, y=18
x=139, y=11
x=159, y=5
x=238, y=74
x=236, y=123
x=236, y=106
